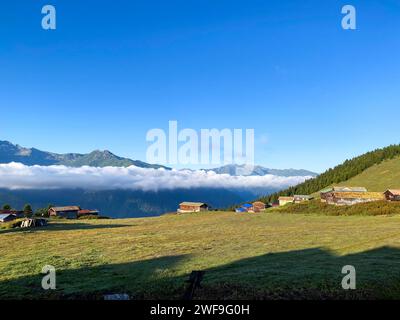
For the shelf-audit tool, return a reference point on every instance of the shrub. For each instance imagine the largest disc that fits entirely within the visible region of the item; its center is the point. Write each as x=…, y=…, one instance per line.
x=362, y=209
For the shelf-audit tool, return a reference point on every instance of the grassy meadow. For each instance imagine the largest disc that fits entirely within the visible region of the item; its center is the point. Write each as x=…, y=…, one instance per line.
x=255, y=256
x=379, y=177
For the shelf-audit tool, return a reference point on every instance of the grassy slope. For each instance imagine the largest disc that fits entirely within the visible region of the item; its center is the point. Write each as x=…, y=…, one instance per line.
x=379, y=177
x=269, y=255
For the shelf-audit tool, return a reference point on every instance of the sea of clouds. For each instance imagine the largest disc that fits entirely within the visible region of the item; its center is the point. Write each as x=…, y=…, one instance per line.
x=16, y=176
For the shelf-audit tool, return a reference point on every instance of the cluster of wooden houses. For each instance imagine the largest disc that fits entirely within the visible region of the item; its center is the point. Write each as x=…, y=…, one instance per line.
x=353, y=195
x=70, y=212
x=345, y=196
x=257, y=206
x=187, y=207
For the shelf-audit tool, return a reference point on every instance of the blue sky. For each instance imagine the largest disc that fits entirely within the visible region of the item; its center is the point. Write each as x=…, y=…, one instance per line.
x=314, y=93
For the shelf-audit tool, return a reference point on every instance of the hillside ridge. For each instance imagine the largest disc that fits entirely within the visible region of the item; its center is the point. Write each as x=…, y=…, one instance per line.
x=341, y=173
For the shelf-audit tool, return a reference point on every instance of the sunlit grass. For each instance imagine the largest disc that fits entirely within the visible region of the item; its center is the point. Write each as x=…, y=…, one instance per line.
x=266, y=255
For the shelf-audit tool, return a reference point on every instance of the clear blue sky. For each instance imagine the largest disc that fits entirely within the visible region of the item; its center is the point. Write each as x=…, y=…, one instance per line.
x=314, y=93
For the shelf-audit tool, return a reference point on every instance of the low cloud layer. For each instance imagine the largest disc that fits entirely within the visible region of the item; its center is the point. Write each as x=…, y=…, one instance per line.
x=18, y=176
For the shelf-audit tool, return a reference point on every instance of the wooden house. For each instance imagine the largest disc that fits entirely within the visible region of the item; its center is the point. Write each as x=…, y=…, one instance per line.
x=258, y=206
x=70, y=212
x=392, y=195
x=192, y=207
x=86, y=212
x=16, y=213
x=325, y=193
x=351, y=198
x=285, y=200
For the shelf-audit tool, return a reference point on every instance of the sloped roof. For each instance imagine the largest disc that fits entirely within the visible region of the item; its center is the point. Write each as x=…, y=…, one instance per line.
x=193, y=204
x=286, y=198
x=86, y=211
x=394, y=192
x=302, y=196
x=359, y=195
x=344, y=189
x=69, y=208
x=3, y=216
x=258, y=203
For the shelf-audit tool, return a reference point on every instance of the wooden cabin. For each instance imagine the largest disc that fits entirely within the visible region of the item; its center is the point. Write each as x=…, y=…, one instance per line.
x=86, y=212
x=392, y=195
x=192, y=207
x=351, y=198
x=70, y=212
x=328, y=191
x=258, y=206
x=285, y=200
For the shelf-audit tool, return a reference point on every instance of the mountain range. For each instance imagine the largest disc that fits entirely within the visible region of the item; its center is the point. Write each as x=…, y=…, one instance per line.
x=127, y=203
x=31, y=156
x=248, y=170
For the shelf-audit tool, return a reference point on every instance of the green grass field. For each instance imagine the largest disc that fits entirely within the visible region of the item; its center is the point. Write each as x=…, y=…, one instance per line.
x=253, y=256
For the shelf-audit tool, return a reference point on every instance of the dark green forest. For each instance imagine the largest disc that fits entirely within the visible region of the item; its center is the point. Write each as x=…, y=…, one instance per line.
x=340, y=173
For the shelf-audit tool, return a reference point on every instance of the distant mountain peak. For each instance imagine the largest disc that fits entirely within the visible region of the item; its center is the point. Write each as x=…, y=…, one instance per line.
x=249, y=170
x=98, y=158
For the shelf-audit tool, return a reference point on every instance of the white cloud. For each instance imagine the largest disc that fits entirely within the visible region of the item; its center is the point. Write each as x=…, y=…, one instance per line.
x=19, y=176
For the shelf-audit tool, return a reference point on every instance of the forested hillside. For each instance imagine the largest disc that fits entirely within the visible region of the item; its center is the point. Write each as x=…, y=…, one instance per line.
x=343, y=172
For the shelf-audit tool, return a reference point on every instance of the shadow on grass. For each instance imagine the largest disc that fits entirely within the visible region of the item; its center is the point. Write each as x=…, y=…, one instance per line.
x=59, y=226
x=303, y=274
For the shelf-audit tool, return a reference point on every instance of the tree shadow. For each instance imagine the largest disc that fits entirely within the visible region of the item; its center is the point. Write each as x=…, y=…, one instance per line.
x=307, y=274
x=59, y=226
x=303, y=274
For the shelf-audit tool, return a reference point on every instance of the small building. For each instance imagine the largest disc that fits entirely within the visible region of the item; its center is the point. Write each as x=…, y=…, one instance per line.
x=258, y=206
x=16, y=213
x=285, y=200
x=301, y=198
x=248, y=207
x=6, y=217
x=325, y=192
x=70, y=212
x=351, y=198
x=392, y=195
x=192, y=207
x=86, y=212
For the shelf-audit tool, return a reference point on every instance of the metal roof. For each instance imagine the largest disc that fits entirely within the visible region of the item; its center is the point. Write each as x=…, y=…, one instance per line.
x=344, y=189
x=69, y=208
x=193, y=204
x=359, y=195
x=286, y=198
x=3, y=216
